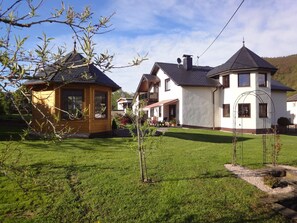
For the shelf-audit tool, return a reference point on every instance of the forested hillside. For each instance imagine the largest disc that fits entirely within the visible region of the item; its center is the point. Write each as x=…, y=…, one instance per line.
x=287, y=71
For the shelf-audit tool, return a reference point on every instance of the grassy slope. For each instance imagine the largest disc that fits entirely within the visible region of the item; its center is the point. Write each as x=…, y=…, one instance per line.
x=97, y=179
x=287, y=70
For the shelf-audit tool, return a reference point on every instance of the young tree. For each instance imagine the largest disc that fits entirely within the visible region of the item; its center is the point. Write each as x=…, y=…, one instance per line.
x=145, y=136
x=18, y=64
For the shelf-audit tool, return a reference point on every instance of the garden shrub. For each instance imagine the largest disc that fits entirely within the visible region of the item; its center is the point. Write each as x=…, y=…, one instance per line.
x=114, y=124
x=283, y=121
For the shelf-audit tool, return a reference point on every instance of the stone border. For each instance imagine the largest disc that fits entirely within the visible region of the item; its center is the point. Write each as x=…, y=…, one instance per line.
x=255, y=177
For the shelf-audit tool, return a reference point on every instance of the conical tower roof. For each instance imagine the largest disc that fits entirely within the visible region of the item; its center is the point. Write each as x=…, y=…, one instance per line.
x=243, y=60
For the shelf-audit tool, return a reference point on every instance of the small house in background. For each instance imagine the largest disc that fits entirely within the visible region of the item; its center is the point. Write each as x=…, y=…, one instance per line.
x=292, y=109
x=71, y=93
x=124, y=103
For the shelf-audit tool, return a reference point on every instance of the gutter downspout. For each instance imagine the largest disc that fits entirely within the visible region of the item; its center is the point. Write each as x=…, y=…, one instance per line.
x=213, y=108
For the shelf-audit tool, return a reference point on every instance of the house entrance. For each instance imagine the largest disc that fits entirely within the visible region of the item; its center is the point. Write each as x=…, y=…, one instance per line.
x=172, y=112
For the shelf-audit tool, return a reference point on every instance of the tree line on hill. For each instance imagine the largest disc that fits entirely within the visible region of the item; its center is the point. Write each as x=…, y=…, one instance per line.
x=287, y=70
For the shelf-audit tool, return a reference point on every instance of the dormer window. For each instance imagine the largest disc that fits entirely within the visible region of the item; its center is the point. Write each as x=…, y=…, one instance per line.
x=167, y=84
x=244, y=80
x=262, y=80
x=226, y=81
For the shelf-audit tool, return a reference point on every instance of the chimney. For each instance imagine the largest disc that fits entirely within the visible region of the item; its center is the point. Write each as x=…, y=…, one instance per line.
x=187, y=62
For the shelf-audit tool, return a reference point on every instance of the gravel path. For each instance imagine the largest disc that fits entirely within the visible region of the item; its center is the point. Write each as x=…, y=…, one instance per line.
x=255, y=177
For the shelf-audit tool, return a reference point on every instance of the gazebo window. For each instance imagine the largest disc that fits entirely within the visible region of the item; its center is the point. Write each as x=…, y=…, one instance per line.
x=72, y=104
x=100, y=104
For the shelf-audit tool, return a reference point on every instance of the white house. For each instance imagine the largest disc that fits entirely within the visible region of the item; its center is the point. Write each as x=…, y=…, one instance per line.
x=292, y=108
x=124, y=103
x=237, y=94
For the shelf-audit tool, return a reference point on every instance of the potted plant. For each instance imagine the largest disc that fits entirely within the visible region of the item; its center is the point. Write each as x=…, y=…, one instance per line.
x=173, y=122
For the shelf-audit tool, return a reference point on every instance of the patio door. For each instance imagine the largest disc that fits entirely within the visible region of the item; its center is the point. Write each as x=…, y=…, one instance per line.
x=172, y=112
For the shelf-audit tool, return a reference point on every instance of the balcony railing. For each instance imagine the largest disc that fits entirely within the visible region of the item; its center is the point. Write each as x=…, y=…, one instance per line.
x=150, y=96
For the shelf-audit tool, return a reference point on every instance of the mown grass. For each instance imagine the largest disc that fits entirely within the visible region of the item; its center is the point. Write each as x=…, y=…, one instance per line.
x=93, y=180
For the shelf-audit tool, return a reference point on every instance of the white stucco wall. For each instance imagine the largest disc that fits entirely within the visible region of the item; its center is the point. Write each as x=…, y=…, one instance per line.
x=135, y=105
x=120, y=106
x=197, y=106
x=257, y=95
x=175, y=92
x=217, y=104
x=292, y=111
x=280, y=102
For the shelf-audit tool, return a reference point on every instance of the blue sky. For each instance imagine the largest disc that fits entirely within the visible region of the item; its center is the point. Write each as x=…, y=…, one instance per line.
x=167, y=29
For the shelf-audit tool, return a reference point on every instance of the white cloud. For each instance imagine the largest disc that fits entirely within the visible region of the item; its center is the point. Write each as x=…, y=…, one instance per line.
x=169, y=29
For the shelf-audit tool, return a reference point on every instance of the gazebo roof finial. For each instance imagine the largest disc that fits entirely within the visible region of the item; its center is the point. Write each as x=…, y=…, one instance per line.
x=74, y=44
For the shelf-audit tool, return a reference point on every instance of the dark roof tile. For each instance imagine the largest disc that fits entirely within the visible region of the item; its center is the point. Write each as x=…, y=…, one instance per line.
x=243, y=59
x=182, y=77
x=278, y=86
x=60, y=71
x=146, y=81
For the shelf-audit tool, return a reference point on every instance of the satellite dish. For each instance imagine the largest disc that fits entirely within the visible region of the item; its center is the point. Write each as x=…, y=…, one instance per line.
x=179, y=60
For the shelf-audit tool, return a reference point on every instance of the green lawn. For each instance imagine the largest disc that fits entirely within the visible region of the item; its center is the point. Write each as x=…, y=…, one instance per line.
x=97, y=180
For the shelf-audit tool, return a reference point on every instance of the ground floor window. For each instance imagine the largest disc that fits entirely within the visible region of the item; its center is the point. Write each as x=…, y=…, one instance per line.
x=100, y=104
x=226, y=110
x=72, y=104
x=244, y=110
x=263, y=110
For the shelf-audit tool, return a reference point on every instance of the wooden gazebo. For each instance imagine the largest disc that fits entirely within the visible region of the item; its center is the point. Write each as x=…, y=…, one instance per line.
x=71, y=94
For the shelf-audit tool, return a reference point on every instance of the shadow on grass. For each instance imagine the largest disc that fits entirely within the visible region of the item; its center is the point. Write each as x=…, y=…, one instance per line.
x=10, y=137
x=242, y=216
x=11, y=130
x=204, y=137
x=79, y=167
x=102, y=144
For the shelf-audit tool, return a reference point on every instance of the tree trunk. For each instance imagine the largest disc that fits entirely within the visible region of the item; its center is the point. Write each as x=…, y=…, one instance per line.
x=144, y=165
x=139, y=149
